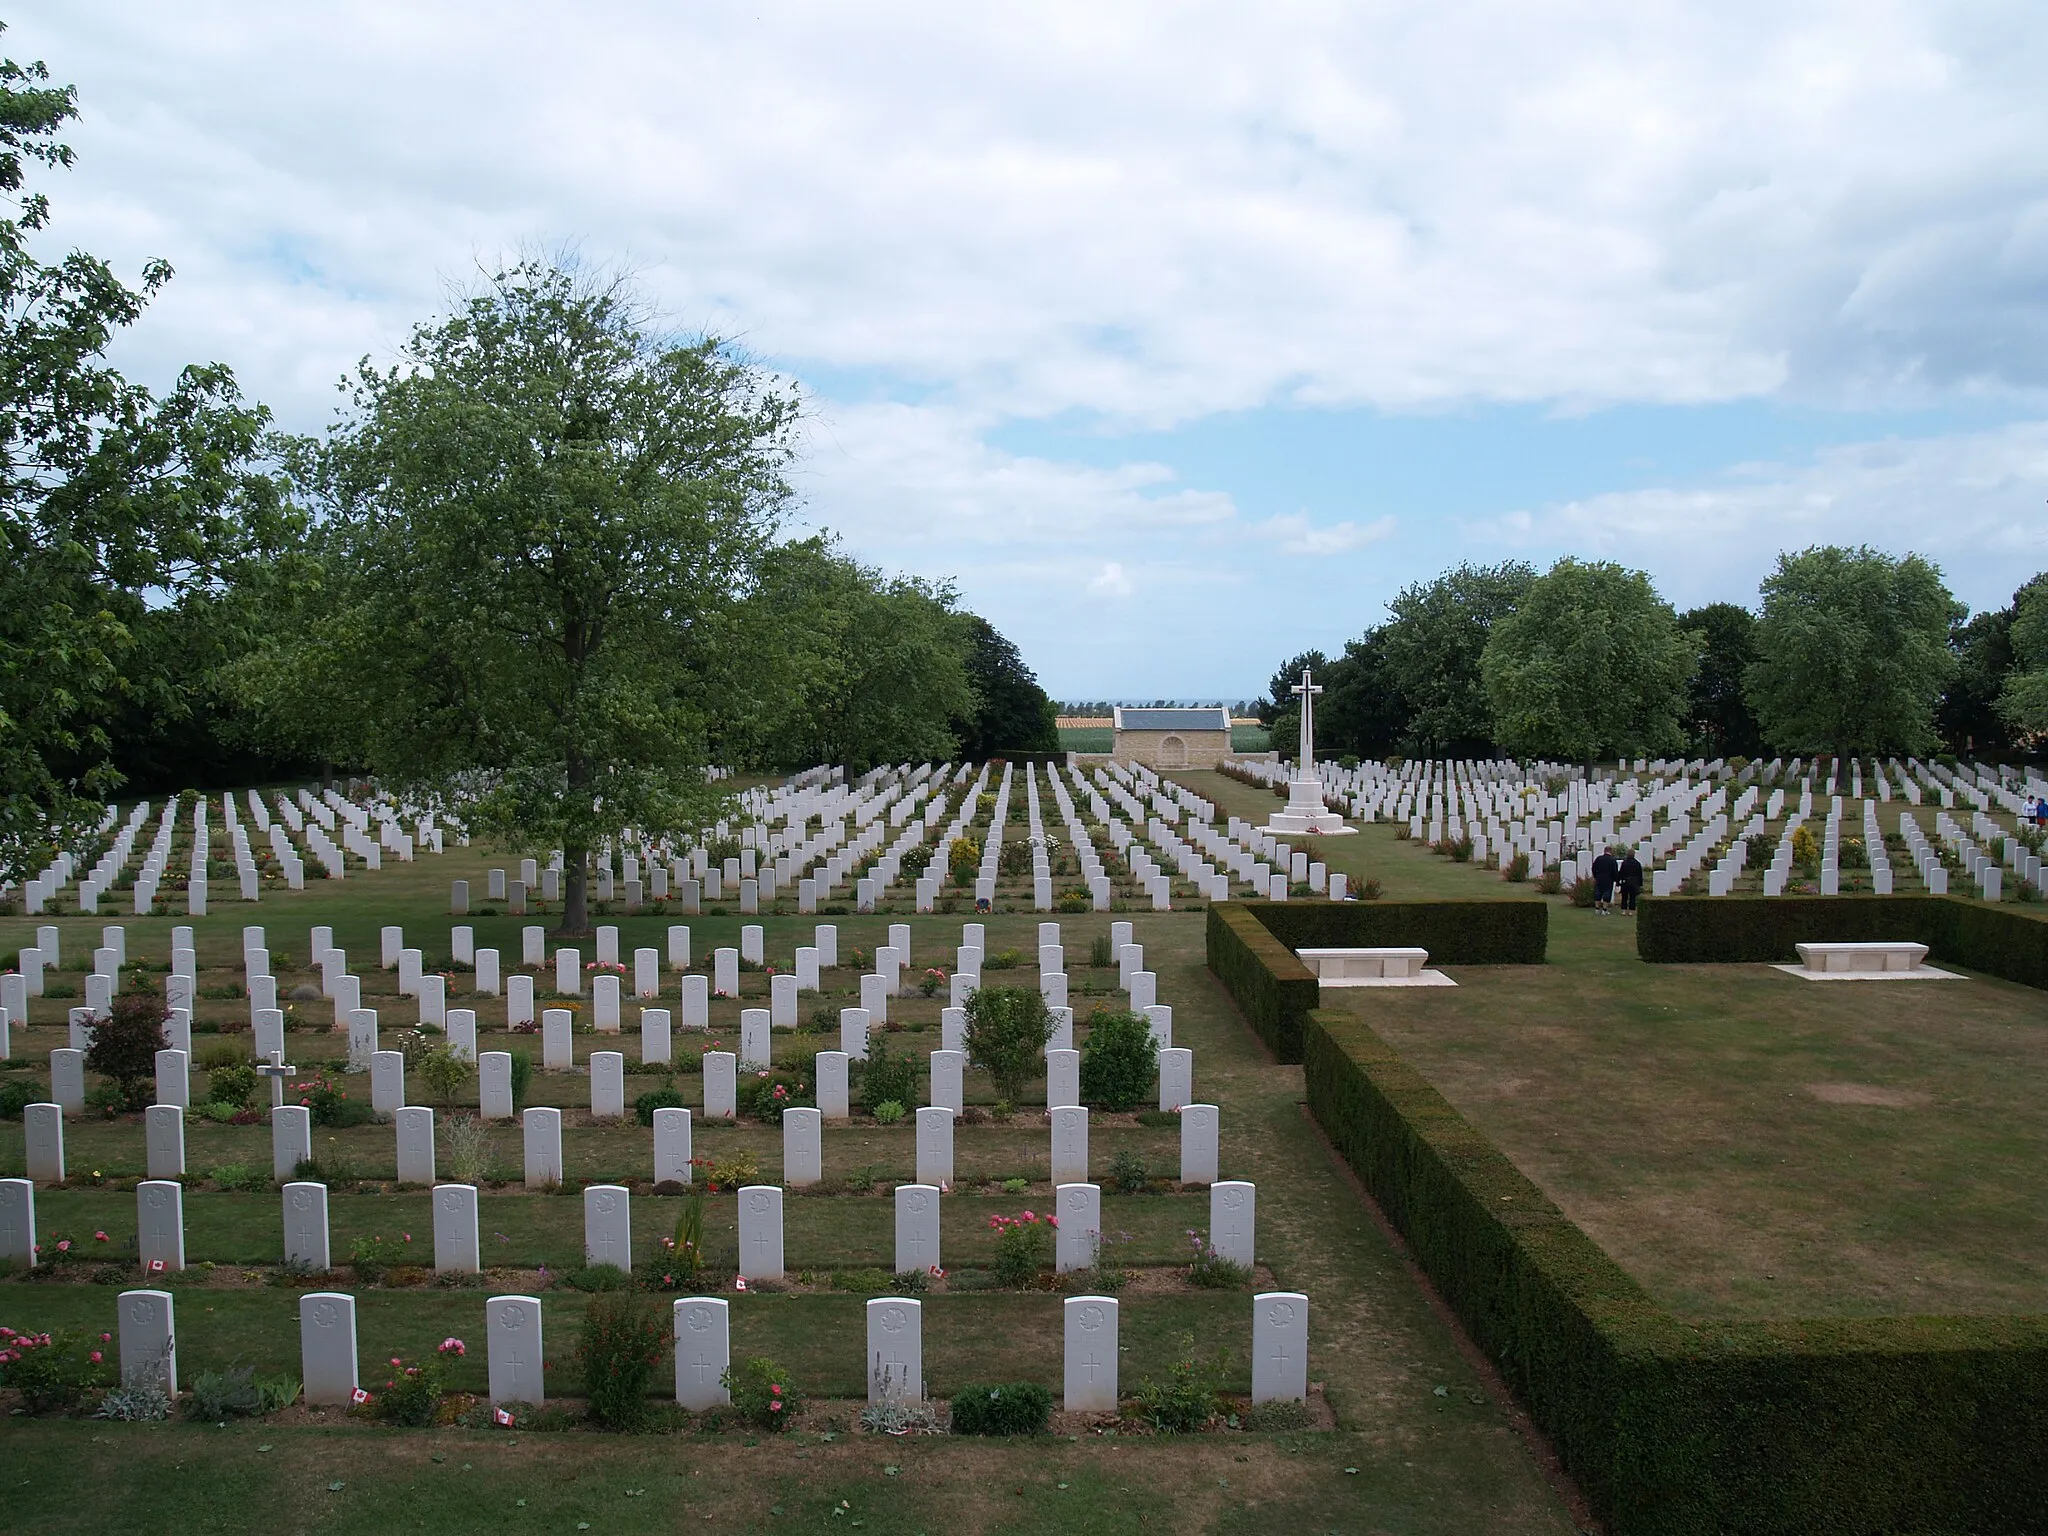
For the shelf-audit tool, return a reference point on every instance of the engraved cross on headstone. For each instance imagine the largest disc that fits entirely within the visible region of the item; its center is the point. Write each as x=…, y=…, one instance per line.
x=277, y=1070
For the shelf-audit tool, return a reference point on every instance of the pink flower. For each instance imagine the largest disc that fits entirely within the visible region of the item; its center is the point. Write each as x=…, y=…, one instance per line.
x=99, y=1237
x=64, y=1245
x=106, y=1338
x=776, y=1406
x=97, y=1357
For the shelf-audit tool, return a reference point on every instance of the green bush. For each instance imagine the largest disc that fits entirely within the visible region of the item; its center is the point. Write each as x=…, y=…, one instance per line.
x=762, y=1394
x=122, y=1046
x=624, y=1339
x=594, y=1278
x=1119, y=1060
x=1779, y=1427
x=886, y=1078
x=522, y=1077
x=1014, y=1408
x=225, y=1394
x=656, y=1098
x=764, y=1095
x=53, y=1372
x=16, y=1094
x=411, y=1395
x=232, y=1084
x=1022, y=1247
x=1187, y=1398
x=244, y=1178
x=1007, y=1028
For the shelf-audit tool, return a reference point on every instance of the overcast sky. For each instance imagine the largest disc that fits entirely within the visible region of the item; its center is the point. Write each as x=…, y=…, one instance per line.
x=1181, y=337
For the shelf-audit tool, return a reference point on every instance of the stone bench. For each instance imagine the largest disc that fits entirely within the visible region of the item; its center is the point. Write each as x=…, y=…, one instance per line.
x=1883, y=956
x=1386, y=967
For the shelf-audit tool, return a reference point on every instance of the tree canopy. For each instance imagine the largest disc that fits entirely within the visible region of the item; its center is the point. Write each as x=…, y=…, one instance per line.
x=126, y=515
x=1590, y=664
x=1718, y=720
x=1011, y=712
x=2024, y=701
x=1851, y=652
x=1434, y=640
x=528, y=529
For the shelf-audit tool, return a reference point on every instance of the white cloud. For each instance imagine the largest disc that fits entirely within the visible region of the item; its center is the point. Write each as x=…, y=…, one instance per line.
x=1972, y=502
x=1296, y=535
x=1111, y=581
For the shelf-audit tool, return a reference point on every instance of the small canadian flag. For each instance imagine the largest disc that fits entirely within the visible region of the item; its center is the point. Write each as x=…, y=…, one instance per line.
x=359, y=1397
x=502, y=1416
x=741, y=1283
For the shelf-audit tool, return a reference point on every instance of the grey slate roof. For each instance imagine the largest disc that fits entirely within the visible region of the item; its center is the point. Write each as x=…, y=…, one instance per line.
x=1172, y=719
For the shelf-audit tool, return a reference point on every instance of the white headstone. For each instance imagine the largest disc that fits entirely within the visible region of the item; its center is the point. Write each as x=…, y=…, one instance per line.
x=696, y=1001
x=18, y=1222
x=149, y=1340
x=488, y=980
x=1062, y=1038
x=604, y=1003
x=607, y=944
x=834, y=1102
x=1069, y=1144
x=362, y=1037
x=1062, y=1079
x=647, y=973
x=160, y=1223
x=1176, y=1078
x=1233, y=1214
x=518, y=1001
x=679, y=946
x=163, y=1138
x=721, y=1080
x=1198, y=1143
x=291, y=1138
x=557, y=1039
x=43, y=1135
x=917, y=1227
x=415, y=1144
x=948, y=1075
x=543, y=1146
x=1279, y=1347
x=608, y=1225
x=173, y=1078
x=825, y=936
x=895, y=1350
x=672, y=1147
x=305, y=1226
x=703, y=1352
x=457, y=1248
x=656, y=1038
x=935, y=1146
x=953, y=1029
x=387, y=1082
x=327, y=1348
x=1159, y=1020
x=1091, y=1354
x=514, y=1348
x=725, y=972
x=568, y=973
x=853, y=1033
x=807, y=968
x=461, y=1028
x=494, y=1085
x=533, y=945
x=802, y=1147
x=1080, y=1229
x=607, y=1085
x=761, y=1232
x=67, y=1079
x=782, y=1001
x=754, y=1039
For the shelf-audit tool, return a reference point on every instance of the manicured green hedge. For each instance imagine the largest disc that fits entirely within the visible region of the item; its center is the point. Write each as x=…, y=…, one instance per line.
x=1998, y=941
x=1832, y=1427
x=1454, y=932
x=1272, y=988
x=1252, y=945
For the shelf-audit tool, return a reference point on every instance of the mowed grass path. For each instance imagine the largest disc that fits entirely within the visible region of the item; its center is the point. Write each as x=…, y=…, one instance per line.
x=1406, y=1458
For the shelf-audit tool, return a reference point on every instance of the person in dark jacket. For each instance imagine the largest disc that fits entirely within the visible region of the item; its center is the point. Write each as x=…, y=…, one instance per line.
x=1630, y=877
x=1604, y=870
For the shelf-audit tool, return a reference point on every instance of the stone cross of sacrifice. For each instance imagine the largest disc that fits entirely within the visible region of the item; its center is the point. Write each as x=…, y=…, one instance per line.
x=277, y=1070
x=1306, y=690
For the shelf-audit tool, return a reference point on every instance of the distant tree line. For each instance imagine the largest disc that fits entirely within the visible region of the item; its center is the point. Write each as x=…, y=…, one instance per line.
x=1847, y=651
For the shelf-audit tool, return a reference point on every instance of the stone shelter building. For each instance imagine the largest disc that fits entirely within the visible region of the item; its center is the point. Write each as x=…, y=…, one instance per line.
x=1172, y=738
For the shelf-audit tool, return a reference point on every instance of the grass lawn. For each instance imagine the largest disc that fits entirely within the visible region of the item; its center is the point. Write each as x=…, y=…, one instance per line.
x=1420, y=1446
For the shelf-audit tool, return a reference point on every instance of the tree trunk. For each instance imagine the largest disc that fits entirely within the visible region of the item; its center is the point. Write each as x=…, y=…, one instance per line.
x=575, y=893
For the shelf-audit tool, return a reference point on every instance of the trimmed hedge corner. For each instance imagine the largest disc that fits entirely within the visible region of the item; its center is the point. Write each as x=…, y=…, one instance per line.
x=1821, y=1427
x=1271, y=987
x=1252, y=945
x=1733, y=930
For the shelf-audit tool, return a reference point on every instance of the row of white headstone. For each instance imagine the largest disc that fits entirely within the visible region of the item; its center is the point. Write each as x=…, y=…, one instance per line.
x=894, y=1357
x=608, y=1226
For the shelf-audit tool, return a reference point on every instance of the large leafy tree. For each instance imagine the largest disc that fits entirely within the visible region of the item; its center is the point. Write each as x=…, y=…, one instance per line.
x=1591, y=664
x=1434, y=640
x=529, y=527
x=1717, y=715
x=1280, y=711
x=1011, y=712
x=827, y=660
x=1851, y=652
x=126, y=514
x=1362, y=710
x=1969, y=716
x=2024, y=701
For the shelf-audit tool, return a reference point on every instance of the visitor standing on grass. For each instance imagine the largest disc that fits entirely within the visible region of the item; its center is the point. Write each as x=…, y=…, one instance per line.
x=1630, y=877
x=1604, y=871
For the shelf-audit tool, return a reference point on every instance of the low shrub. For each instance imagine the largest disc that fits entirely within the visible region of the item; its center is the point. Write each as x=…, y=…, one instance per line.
x=1100, y=954
x=122, y=1046
x=54, y=1372
x=1127, y=1173
x=1584, y=892
x=597, y=1277
x=522, y=1077
x=762, y=1394
x=1210, y=1271
x=232, y=1083
x=16, y=1094
x=1007, y=1029
x=240, y=1178
x=1014, y=1408
x=1280, y=1414
x=1022, y=1245
x=412, y=1393
x=656, y=1098
x=886, y=1077
x=1186, y=1399
x=624, y=1339
x=1119, y=1060
x=1517, y=869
